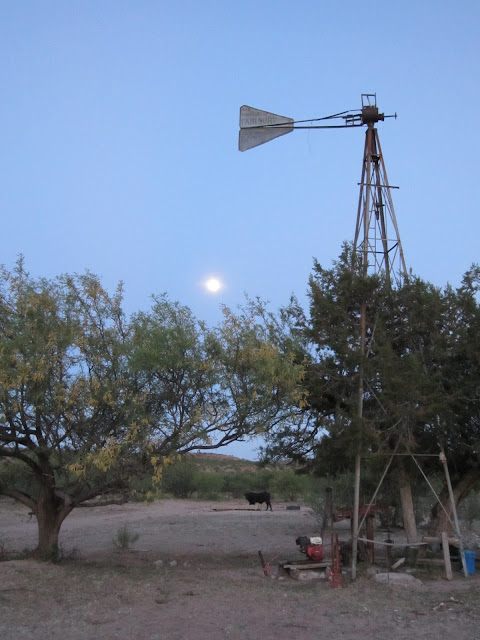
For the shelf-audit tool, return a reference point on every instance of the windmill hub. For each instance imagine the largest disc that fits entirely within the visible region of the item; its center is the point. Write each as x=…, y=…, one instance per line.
x=370, y=115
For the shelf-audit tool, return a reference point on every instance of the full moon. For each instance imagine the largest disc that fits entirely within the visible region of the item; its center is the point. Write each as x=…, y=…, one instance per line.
x=213, y=285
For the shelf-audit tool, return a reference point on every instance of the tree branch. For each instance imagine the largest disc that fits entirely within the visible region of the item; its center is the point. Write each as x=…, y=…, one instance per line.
x=90, y=493
x=19, y=496
x=14, y=453
x=104, y=503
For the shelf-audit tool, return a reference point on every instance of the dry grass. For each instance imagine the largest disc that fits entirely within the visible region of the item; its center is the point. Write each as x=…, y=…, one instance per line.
x=126, y=596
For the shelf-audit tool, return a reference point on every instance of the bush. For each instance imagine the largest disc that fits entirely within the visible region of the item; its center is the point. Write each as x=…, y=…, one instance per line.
x=208, y=485
x=179, y=479
x=287, y=485
x=469, y=509
x=143, y=488
x=237, y=484
x=124, y=538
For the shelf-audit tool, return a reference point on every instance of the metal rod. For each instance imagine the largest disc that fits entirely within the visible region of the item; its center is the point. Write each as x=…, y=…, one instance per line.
x=378, y=487
x=392, y=211
x=431, y=487
x=384, y=186
x=380, y=212
x=363, y=331
x=315, y=126
x=414, y=455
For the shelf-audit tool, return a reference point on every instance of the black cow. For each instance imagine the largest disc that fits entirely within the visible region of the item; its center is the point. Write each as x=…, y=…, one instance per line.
x=261, y=497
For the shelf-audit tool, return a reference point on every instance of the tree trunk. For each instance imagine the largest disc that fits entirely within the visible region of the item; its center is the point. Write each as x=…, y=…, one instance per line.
x=408, y=511
x=50, y=513
x=440, y=517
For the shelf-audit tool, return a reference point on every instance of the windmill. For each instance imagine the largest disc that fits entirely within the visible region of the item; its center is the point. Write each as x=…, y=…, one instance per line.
x=377, y=239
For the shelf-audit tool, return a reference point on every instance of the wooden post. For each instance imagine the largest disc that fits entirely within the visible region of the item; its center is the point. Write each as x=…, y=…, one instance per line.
x=328, y=507
x=454, y=511
x=446, y=556
x=265, y=567
x=356, y=506
x=370, y=529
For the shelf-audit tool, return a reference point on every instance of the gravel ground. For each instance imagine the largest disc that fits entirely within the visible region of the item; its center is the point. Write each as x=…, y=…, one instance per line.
x=194, y=573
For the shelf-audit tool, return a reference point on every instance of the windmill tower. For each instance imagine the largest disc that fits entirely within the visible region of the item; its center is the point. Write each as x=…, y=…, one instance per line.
x=377, y=239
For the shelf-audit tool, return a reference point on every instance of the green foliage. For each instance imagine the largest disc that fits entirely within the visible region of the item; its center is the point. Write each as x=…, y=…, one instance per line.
x=288, y=485
x=237, y=484
x=208, y=387
x=419, y=372
x=470, y=509
x=208, y=486
x=124, y=538
x=179, y=479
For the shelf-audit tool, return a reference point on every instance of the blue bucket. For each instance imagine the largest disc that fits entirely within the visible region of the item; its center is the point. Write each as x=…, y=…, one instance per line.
x=470, y=562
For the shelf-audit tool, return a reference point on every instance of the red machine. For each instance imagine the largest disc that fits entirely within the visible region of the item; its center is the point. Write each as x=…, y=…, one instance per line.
x=311, y=546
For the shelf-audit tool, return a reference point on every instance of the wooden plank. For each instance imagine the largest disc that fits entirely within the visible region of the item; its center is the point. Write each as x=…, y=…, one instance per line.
x=429, y=539
x=398, y=563
x=313, y=565
x=234, y=509
x=446, y=556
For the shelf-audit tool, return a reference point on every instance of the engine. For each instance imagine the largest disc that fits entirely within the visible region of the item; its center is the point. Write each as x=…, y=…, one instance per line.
x=311, y=546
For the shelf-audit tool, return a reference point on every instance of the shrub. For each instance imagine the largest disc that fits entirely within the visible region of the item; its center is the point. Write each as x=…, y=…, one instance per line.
x=179, y=479
x=287, y=485
x=237, y=484
x=208, y=485
x=124, y=539
x=469, y=509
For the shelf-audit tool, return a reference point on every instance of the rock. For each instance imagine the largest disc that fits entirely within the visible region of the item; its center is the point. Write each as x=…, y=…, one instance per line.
x=158, y=563
x=312, y=575
x=172, y=563
x=402, y=579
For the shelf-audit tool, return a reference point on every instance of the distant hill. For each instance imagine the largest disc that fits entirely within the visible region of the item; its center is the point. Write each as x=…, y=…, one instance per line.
x=220, y=462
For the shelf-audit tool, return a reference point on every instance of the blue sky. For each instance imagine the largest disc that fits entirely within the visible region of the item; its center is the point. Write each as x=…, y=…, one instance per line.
x=119, y=140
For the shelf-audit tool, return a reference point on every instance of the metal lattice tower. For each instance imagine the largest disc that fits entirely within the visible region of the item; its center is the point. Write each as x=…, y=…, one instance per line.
x=377, y=238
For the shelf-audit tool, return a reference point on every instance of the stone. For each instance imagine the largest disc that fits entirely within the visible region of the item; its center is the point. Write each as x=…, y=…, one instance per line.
x=402, y=579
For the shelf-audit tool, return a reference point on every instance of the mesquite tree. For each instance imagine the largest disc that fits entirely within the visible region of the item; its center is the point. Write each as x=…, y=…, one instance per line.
x=67, y=405
x=89, y=398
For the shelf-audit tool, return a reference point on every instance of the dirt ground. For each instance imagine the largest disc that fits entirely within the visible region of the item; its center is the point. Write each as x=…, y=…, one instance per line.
x=194, y=573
